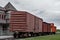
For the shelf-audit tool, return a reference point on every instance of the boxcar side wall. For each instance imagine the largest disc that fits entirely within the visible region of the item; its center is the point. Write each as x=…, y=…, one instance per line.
x=40, y=25
x=36, y=24
x=48, y=27
x=18, y=21
x=55, y=28
x=44, y=27
x=30, y=22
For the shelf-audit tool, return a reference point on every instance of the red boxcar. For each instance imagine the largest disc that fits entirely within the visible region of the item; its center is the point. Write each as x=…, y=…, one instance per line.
x=25, y=22
x=40, y=24
x=53, y=28
x=44, y=28
x=49, y=27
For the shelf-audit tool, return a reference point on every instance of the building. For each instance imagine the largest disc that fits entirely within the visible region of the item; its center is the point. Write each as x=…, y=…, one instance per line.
x=4, y=18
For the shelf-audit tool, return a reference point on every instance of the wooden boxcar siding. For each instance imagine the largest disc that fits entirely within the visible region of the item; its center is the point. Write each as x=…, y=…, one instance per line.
x=44, y=27
x=52, y=27
x=48, y=27
x=36, y=24
x=30, y=22
x=55, y=28
x=25, y=22
x=18, y=21
x=40, y=24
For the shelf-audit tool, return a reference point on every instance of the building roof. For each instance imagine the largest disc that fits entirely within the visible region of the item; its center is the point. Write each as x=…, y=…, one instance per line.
x=2, y=8
x=9, y=6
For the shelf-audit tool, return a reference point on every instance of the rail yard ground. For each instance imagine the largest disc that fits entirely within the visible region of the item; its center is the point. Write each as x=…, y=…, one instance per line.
x=46, y=37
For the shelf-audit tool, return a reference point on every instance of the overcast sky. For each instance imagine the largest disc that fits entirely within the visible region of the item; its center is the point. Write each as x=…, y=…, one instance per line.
x=49, y=10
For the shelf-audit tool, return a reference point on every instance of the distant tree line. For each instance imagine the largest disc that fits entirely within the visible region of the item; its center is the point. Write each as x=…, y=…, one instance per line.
x=58, y=30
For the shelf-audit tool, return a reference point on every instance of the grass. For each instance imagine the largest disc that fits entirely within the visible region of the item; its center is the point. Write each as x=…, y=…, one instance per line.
x=48, y=37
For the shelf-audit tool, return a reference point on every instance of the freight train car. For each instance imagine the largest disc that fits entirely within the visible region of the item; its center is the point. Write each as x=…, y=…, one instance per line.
x=25, y=24
x=53, y=28
x=48, y=28
x=44, y=28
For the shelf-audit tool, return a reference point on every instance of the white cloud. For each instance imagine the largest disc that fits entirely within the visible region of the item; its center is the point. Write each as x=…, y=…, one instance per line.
x=49, y=10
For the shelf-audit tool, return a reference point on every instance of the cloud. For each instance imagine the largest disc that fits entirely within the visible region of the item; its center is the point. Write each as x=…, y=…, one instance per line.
x=49, y=10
